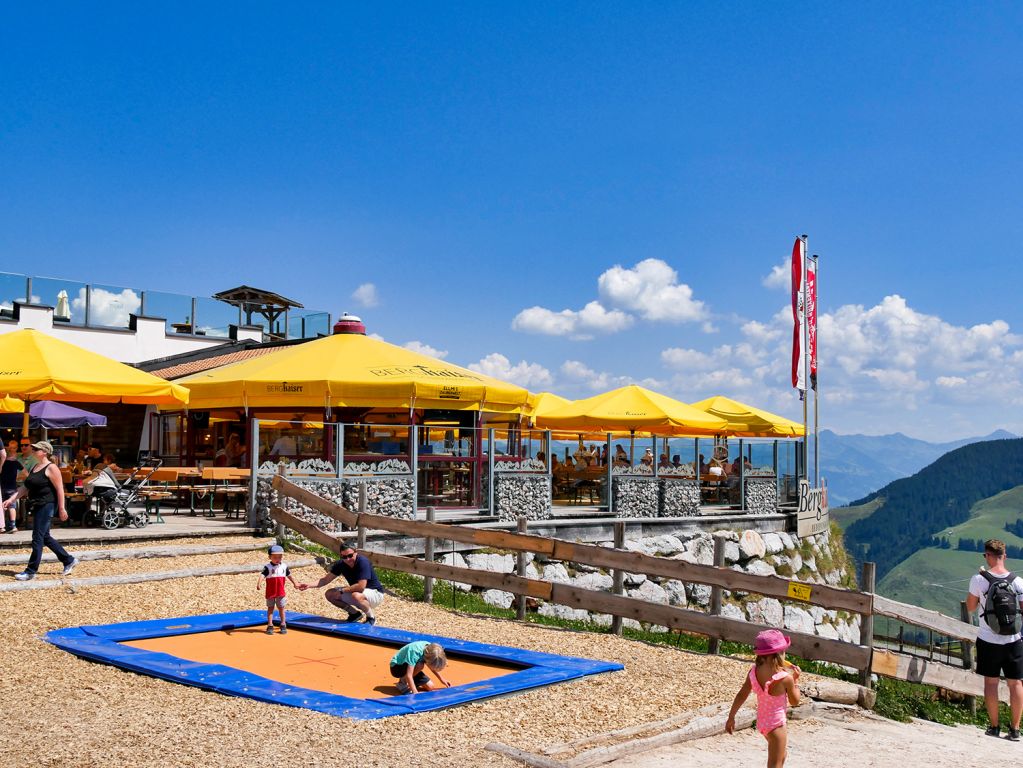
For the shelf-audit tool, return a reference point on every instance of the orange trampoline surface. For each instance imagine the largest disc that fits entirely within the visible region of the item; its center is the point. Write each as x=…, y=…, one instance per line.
x=349, y=666
x=321, y=664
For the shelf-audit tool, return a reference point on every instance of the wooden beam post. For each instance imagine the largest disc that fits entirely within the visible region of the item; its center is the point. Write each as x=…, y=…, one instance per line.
x=520, y=566
x=867, y=620
x=617, y=574
x=967, y=647
x=428, y=557
x=361, y=535
x=714, y=644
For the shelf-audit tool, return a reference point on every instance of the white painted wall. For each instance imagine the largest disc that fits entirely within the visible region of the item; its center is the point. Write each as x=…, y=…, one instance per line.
x=149, y=341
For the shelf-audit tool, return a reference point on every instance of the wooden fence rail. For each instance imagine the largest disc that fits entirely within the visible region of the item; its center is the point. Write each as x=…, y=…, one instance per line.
x=808, y=646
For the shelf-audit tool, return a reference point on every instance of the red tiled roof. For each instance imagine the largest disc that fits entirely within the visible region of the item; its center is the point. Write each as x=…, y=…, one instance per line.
x=184, y=369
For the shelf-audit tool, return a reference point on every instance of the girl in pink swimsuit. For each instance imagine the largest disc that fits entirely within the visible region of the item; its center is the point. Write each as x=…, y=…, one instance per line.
x=774, y=681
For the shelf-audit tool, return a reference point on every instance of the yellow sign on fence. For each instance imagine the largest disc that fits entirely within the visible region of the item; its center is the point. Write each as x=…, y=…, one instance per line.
x=799, y=591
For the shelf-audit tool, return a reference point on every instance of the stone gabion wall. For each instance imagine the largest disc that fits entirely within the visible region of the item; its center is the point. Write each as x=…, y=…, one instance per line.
x=391, y=496
x=761, y=496
x=679, y=498
x=810, y=560
x=528, y=495
x=636, y=497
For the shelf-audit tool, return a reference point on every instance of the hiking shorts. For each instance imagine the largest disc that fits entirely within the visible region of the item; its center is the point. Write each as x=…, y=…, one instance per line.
x=995, y=660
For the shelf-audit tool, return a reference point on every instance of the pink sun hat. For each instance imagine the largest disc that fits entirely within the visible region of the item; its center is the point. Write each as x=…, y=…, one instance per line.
x=770, y=641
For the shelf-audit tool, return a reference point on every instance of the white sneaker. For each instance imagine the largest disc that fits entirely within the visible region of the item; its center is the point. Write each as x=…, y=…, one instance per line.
x=70, y=567
x=25, y=576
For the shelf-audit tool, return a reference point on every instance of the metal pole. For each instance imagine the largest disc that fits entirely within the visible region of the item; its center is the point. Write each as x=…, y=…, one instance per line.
x=609, y=491
x=816, y=383
x=964, y=616
x=361, y=535
x=867, y=622
x=521, y=526
x=428, y=557
x=618, y=575
x=714, y=645
x=491, y=480
x=339, y=449
x=253, y=472
x=413, y=453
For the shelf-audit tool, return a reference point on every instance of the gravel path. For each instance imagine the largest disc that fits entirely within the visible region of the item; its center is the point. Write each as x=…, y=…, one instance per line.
x=66, y=710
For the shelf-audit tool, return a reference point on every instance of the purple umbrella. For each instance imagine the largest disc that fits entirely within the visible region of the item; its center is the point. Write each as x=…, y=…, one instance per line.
x=49, y=414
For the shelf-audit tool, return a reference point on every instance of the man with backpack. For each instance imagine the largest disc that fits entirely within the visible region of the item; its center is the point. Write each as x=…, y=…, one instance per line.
x=998, y=593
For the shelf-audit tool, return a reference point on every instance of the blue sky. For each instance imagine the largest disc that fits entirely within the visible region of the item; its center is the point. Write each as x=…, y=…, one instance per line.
x=474, y=162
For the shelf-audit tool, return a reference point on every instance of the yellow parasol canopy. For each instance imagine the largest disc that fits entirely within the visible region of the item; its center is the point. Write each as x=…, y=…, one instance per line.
x=747, y=421
x=11, y=405
x=635, y=409
x=351, y=370
x=40, y=367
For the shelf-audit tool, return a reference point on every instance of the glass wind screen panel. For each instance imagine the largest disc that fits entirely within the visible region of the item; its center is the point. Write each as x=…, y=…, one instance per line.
x=303, y=324
x=172, y=307
x=214, y=318
x=110, y=306
x=440, y=439
x=12, y=289
x=293, y=440
x=67, y=298
x=788, y=480
x=586, y=450
x=375, y=440
x=760, y=457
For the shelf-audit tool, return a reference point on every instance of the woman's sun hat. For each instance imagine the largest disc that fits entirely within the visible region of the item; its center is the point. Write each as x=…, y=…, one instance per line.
x=770, y=641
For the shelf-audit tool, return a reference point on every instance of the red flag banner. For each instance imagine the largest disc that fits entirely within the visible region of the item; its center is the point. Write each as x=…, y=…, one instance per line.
x=811, y=318
x=798, y=316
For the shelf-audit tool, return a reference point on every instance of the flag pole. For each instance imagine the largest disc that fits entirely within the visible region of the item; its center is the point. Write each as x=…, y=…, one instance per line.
x=817, y=375
x=806, y=358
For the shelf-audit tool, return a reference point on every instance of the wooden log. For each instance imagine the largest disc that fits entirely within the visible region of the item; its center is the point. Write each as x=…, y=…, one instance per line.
x=139, y=578
x=427, y=556
x=311, y=500
x=837, y=692
x=521, y=525
x=528, y=758
x=807, y=646
x=618, y=575
x=308, y=530
x=921, y=617
x=714, y=646
x=506, y=582
x=698, y=728
x=461, y=533
x=769, y=586
x=142, y=554
x=917, y=670
x=867, y=623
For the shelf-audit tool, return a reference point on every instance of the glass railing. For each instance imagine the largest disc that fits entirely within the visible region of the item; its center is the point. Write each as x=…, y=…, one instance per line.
x=68, y=299
x=172, y=307
x=12, y=288
x=214, y=318
x=111, y=306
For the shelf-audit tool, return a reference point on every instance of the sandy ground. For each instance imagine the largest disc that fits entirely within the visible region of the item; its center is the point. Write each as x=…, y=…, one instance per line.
x=65, y=710
x=864, y=742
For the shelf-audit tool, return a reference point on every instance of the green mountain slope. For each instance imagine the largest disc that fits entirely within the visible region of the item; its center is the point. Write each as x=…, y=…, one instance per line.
x=846, y=516
x=914, y=509
x=935, y=578
x=988, y=518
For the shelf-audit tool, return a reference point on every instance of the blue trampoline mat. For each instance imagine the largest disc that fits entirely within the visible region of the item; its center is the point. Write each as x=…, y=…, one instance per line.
x=103, y=643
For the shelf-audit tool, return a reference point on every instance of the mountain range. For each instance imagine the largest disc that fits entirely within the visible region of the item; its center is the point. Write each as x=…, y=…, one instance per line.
x=857, y=465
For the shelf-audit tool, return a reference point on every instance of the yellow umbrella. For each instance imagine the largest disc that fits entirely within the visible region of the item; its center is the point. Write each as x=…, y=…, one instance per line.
x=635, y=409
x=41, y=367
x=351, y=370
x=11, y=405
x=747, y=421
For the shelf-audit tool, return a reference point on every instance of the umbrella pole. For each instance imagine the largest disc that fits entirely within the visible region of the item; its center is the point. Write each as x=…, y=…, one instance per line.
x=24, y=421
x=632, y=447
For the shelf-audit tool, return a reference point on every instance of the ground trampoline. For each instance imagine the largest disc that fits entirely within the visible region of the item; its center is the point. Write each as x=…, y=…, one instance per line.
x=321, y=664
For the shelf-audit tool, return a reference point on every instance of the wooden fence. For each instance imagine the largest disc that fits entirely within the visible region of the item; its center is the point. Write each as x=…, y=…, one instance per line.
x=860, y=656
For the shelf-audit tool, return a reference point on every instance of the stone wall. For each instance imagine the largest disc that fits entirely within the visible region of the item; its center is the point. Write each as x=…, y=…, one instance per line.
x=761, y=495
x=390, y=496
x=810, y=560
x=528, y=495
x=679, y=498
x=635, y=496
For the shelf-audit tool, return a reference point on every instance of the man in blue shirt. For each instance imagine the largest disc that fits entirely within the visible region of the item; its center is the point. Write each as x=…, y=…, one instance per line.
x=364, y=592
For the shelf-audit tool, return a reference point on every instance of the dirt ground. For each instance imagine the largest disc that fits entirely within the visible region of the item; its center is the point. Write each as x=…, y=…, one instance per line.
x=865, y=742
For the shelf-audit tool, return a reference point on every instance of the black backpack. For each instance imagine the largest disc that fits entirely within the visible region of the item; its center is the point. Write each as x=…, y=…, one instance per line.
x=1001, y=606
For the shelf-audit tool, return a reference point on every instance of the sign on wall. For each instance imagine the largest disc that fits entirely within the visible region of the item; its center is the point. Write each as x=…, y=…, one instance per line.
x=812, y=513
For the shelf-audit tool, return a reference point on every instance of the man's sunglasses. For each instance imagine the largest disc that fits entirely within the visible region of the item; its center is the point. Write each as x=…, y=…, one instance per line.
x=349, y=556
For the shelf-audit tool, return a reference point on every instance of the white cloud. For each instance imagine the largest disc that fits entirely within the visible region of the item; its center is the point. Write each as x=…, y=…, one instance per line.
x=106, y=307
x=580, y=376
x=425, y=349
x=529, y=375
x=760, y=332
x=366, y=295
x=574, y=324
x=950, y=381
x=652, y=290
x=780, y=276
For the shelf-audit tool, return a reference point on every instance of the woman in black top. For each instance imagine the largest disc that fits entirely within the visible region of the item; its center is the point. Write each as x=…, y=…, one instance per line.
x=44, y=487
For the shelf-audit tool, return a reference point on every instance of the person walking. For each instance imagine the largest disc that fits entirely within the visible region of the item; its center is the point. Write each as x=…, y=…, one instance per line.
x=9, y=471
x=44, y=487
x=998, y=593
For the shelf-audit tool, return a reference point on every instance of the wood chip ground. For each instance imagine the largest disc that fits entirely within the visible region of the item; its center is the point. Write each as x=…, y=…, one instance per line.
x=62, y=710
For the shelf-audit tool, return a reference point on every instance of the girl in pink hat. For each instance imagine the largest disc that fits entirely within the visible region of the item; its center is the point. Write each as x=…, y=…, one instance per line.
x=774, y=681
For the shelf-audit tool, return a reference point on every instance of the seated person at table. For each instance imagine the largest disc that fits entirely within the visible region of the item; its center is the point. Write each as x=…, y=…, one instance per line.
x=581, y=456
x=284, y=447
x=676, y=461
x=235, y=450
x=364, y=591
x=717, y=467
x=648, y=459
x=569, y=465
x=407, y=665
x=663, y=463
x=94, y=456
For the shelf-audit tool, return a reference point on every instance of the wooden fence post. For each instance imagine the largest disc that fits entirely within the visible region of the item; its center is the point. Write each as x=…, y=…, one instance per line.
x=618, y=574
x=520, y=570
x=428, y=556
x=279, y=529
x=967, y=647
x=867, y=621
x=361, y=535
x=714, y=646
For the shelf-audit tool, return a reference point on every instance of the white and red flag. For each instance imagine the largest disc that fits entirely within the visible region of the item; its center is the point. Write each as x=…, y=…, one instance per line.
x=798, y=313
x=811, y=318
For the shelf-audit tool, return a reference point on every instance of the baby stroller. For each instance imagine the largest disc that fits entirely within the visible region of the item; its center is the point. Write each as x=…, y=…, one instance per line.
x=113, y=498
